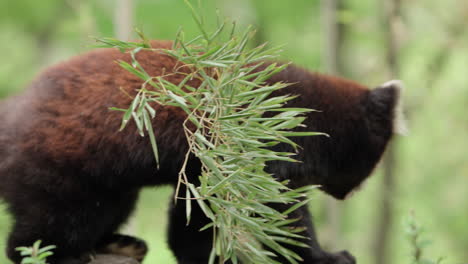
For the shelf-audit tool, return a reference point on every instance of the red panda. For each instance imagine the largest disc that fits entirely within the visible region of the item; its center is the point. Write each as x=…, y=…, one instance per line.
x=70, y=178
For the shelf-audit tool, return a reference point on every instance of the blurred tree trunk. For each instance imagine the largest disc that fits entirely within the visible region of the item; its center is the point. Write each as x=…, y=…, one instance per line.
x=334, y=32
x=86, y=20
x=392, y=19
x=45, y=35
x=123, y=19
x=245, y=13
x=123, y=28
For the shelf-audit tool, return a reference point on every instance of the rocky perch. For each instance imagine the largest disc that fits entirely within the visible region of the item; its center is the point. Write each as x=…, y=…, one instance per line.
x=113, y=259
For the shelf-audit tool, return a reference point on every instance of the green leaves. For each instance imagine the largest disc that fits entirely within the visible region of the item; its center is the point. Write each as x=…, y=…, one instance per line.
x=35, y=254
x=232, y=136
x=121, y=45
x=414, y=233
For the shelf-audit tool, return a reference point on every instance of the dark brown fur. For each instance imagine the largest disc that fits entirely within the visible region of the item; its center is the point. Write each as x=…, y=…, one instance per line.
x=70, y=178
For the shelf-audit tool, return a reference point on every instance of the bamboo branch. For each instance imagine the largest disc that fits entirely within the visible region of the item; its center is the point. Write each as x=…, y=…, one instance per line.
x=455, y=30
x=123, y=19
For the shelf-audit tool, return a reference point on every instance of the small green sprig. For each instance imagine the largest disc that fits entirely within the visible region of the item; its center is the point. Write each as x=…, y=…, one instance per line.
x=35, y=254
x=414, y=232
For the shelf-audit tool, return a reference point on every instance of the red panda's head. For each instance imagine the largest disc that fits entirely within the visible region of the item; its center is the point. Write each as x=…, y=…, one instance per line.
x=359, y=121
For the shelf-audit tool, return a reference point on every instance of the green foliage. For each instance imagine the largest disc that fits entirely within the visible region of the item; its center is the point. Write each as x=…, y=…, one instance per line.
x=414, y=231
x=35, y=254
x=232, y=138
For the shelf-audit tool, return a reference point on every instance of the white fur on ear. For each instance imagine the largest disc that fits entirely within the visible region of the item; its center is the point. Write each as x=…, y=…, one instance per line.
x=399, y=120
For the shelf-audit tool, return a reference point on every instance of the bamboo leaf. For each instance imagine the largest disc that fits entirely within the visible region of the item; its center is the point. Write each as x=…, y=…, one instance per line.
x=149, y=128
x=188, y=205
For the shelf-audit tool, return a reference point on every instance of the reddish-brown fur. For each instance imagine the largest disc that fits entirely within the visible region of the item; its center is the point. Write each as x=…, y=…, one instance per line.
x=71, y=178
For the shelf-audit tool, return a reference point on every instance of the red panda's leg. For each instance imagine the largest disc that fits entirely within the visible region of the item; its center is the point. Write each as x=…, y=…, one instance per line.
x=25, y=233
x=189, y=245
x=123, y=245
x=74, y=224
x=314, y=254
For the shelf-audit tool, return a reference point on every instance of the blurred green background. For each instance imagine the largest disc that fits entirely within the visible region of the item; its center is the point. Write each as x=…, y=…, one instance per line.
x=431, y=168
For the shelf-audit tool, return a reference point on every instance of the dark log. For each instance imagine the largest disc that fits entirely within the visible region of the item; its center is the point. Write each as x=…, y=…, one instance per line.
x=113, y=259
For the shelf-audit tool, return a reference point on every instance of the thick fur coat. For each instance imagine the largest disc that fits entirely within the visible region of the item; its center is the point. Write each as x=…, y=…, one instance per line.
x=70, y=178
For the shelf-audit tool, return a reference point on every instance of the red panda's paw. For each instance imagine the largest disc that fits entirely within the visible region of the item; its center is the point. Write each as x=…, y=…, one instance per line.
x=124, y=245
x=342, y=257
x=82, y=260
x=113, y=259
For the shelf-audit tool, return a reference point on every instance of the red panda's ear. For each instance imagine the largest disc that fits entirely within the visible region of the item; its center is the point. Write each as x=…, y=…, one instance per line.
x=385, y=101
